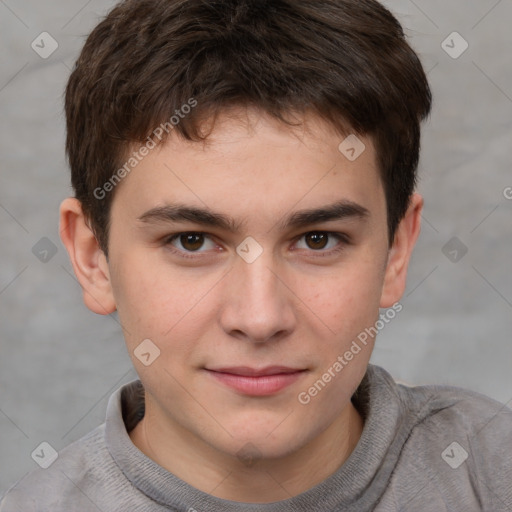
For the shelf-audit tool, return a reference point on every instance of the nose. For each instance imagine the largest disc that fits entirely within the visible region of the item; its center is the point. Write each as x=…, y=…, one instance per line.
x=257, y=304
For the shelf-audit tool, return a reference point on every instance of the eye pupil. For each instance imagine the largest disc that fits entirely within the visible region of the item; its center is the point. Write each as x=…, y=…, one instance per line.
x=319, y=240
x=194, y=239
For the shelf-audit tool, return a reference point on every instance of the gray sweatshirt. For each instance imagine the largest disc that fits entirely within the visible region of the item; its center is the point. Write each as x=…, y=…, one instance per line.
x=422, y=449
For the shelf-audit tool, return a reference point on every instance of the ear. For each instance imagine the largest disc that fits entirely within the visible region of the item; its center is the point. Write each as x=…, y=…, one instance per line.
x=400, y=253
x=88, y=260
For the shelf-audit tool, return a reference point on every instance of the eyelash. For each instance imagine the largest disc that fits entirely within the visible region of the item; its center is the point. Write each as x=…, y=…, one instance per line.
x=342, y=237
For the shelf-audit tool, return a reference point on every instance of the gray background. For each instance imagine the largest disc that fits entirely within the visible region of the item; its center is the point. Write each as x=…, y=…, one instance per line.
x=59, y=362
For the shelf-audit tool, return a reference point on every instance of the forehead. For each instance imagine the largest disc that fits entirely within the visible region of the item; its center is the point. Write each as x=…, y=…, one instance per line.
x=250, y=159
x=238, y=128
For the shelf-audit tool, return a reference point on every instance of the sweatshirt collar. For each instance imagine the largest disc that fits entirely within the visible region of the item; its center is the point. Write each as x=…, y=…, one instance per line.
x=356, y=485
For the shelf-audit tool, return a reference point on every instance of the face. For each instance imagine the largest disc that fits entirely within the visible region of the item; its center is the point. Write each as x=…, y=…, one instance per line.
x=266, y=247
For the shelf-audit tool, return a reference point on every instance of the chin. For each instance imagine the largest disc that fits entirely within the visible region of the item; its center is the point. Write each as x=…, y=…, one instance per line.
x=252, y=447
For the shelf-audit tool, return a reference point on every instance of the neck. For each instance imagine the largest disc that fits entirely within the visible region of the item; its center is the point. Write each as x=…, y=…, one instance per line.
x=227, y=477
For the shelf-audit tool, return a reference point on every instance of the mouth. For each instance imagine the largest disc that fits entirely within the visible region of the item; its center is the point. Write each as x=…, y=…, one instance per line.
x=257, y=381
x=246, y=371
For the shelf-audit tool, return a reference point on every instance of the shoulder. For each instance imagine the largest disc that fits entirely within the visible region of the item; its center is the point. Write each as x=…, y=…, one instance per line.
x=462, y=442
x=69, y=483
x=85, y=476
x=464, y=411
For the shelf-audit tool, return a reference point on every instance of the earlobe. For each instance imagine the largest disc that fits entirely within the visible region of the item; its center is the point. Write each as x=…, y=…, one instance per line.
x=87, y=258
x=400, y=253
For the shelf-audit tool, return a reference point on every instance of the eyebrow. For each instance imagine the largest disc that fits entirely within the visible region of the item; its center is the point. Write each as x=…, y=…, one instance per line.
x=340, y=210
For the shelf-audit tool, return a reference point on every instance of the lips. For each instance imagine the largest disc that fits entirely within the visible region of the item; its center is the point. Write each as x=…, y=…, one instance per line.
x=256, y=381
x=254, y=372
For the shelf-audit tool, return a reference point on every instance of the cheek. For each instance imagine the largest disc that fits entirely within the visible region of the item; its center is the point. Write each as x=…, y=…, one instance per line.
x=345, y=301
x=140, y=298
x=158, y=305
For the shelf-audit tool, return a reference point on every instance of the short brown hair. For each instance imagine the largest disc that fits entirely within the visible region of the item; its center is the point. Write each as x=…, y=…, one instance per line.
x=345, y=60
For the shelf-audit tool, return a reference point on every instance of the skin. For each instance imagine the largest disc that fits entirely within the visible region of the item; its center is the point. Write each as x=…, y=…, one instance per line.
x=291, y=306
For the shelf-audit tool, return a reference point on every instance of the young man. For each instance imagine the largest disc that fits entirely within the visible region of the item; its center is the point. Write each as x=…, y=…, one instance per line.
x=244, y=174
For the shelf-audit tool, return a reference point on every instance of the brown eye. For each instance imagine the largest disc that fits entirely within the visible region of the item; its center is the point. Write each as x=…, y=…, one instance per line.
x=317, y=240
x=189, y=242
x=192, y=241
x=325, y=243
